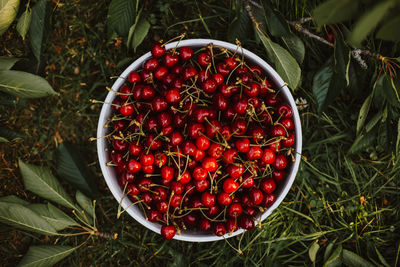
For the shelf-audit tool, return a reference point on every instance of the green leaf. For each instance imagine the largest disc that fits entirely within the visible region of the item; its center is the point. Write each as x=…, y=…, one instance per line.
x=21, y=217
x=24, y=22
x=132, y=29
x=8, y=11
x=362, y=142
x=54, y=216
x=239, y=28
x=321, y=83
x=368, y=22
x=286, y=66
x=328, y=250
x=14, y=199
x=373, y=121
x=36, y=28
x=295, y=46
x=71, y=166
x=398, y=138
x=3, y=140
x=390, y=30
x=335, y=259
x=277, y=24
x=362, y=116
x=7, y=63
x=40, y=181
x=334, y=11
x=85, y=203
x=381, y=258
x=24, y=84
x=352, y=260
x=141, y=30
x=41, y=256
x=121, y=16
x=388, y=87
x=312, y=252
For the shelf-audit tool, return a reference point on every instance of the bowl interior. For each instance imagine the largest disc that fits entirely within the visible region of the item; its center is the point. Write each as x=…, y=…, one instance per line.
x=110, y=174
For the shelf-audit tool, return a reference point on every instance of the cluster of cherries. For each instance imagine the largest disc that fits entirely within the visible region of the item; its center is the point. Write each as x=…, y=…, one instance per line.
x=200, y=140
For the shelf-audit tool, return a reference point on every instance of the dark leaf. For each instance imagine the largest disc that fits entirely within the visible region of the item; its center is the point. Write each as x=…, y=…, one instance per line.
x=390, y=30
x=141, y=30
x=328, y=250
x=363, y=141
x=54, y=216
x=24, y=84
x=121, y=15
x=14, y=199
x=24, y=22
x=85, y=203
x=8, y=11
x=71, y=166
x=321, y=83
x=295, y=46
x=45, y=255
x=373, y=121
x=335, y=259
x=334, y=11
x=132, y=30
x=353, y=260
x=21, y=217
x=7, y=63
x=277, y=24
x=362, y=116
x=3, y=140
x=389, y=89
x=239, y=28
x=40, y=181
x=398, y=138
x=286, y=66
x=368, y=22
x=36, y=28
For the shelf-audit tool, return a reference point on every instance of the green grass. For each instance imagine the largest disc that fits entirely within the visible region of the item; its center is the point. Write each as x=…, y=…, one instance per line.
x=352, y=200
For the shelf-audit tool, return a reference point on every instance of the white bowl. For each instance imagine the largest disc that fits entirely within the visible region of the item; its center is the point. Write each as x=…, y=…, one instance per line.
x=110, y=174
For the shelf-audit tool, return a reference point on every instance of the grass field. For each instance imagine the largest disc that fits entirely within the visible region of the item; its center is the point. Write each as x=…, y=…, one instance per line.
x=338, y=199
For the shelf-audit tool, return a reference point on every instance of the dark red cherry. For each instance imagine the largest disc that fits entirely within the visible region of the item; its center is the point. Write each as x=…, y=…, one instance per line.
x=160, y=72
x=208, y=199
x=151, y=64
x=195, y=130
x=134, y=77
x=220, y=102
x=120, y=145
x=268, y=156
x=205, y=225
x=230, y=62
x=268, y=185
x=252, y=90
x=168, y=231
x=256, y=196
x=160, y=159
x=173, y=96
x=240, y=107
x=219, y=229
x=230, y=185
x=268, y=200
x=209, y=86
x=202, y=185
x=229, y=155
x=176, y=200
x=223, y=69
x=246, y=222
x=239, y=126
x=231, y=225
x=134, y=166
x=126, y=109
x=159, y=104
x=278, y=176
x=189, y=72
x=248, y=180
x=170, y=60
x=209, y=164
x=186, y=53
x=288, y=141
x=235, y=210
x=235, y=171
x=285, y=111
x=204, y=59
x=158, y=50
x=254, y=153
x=148, y=93
x=242, y=145
x=280, y=162
x=288, y=124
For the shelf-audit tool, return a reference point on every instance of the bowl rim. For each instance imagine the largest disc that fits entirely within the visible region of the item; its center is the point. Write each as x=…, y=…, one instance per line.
x=106, y=110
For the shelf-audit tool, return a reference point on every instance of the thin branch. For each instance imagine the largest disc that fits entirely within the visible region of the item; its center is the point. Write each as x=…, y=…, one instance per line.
x=297, y=25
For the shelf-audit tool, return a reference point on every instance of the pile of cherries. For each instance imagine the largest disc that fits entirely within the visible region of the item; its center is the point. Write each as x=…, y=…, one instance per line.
x=200, y=140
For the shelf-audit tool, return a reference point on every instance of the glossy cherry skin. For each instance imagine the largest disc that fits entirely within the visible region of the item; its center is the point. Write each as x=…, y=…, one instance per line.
x=151, y=64
x=173, y=96
x=148, y=93
x=170, y=60
x=208, y=199
x=288, y=124
x=168, y=231
x=202, y=185
x=204, y=59
x=239, y=127
x=268, y=185
x=119, y=145
x=256, y=195
x=285, y=111
x=229, y=155
x=157, y=50
x=186, y=53
x=268, y=200
x=235, y=171
x=195, y=130
x=288, y=141
x=189, y=72
x=167, y=173
x=176, y=138
x=248, y=180
x=199, y=174
x=209, y=85
x=278, y=176
x=134, y=166
x=235, y=210
x=177, y=187
x=280, y=162
x=224, y=199
x=134, y=77
x=159, y=104
x=219, y=229
x=176, y=200
x=132, y=190
x=242, y=145
x=160, y=72
x=246, y=222
x=230, y=185
x=254, y=153
x=146, y=159
x=231, y=225
x=268, y=156
x=209, y=164
x=205, y=225
x=231, y=63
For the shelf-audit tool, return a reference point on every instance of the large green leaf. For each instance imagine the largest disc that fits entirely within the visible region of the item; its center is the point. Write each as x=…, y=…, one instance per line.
x=24, y=22
x=24, y=84
x=71, y=166
x=121, y=15
x=334, y=11
x=368, y=22
x=85, y=203
x=7, y=63
x=37, y=26
x=295, y=46
x=54, y=216
x=132, y=29
x=321, y=83
x=8, y=11
x=390, y=30
x=335, y=259
x=14, y=199
x=40, y=181
x=353, y=260
x=286, y=66
x=277, y=24
x=239, y=28
x=21, y=217
x=141, y=30
x=42, y=256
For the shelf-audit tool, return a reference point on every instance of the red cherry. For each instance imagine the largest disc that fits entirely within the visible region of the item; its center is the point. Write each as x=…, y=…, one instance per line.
x=185, y=177
x=154, y=215
x=134, y=77
x=209, y=86
x=235, y=210
x=257, y=133
x=288, y=124
x=159, y=104
x=278, y=176
x=148, y=93
x=254, y=153
x=219, y=229
x=224, y=199
x=246, y=222
x=210, y=164
x=160, y=72
x=220, y=101
x=157, y=50
x=204, y=59
x=146, y=159
x=119, y=145
x=198, y=155
x=268, y=185
x=202, y=185
x=235, y=171
x=219, y=79
x=173, y=96
x=202, y=143
x=239, y=126
x=230, y=63
x=189, y=72
x=242, y=145
x=148, y=169
x=170, y=60
x=285, y=111
x=199, y=174
x=280, y=162
x=176, y=138
x=223, y=69
x=168, y=231
x=231, y=225
x=256, y=69
x=132, y=190
x=252, y=90
x=268, y=156
x=278, y=130
x=167, y=173
x=268, y=200
x=230, y=185
x=134, y=166
x=151, y=64
x=176, y=200
x=124, y=92
x=288, y=141
x=205, y=225
x=127, y=109
x=229, y=155
x=188, y=148
x=144, y=185
x=208, y=199
x=213, y=128
x=256, y=196
x=177, y=187
x=241, y=106
x=195, y=130
x=186, y=53
x=248, y=180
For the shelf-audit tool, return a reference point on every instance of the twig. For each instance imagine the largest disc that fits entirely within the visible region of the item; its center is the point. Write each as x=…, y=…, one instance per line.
x=297, y=25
